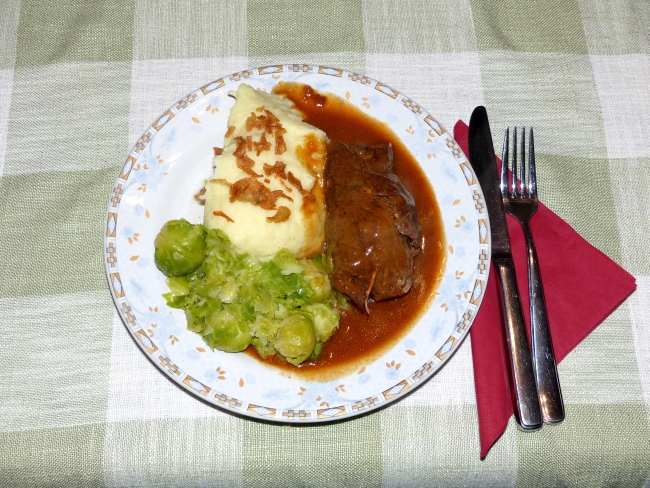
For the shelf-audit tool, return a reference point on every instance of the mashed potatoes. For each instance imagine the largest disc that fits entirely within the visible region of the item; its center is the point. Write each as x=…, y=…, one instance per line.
x=267, y=189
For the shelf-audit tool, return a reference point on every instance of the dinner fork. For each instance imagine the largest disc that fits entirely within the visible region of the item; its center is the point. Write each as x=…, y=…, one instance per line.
x=520, y=201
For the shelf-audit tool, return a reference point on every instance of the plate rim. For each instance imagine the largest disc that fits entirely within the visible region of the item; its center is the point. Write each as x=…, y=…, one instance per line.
x=232, y=405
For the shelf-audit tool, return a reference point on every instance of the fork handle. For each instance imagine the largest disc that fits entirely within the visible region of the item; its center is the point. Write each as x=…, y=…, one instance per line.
x=526, y=401
x=548, y=381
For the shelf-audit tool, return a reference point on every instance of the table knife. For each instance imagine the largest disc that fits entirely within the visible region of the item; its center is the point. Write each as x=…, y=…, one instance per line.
x=481, y=157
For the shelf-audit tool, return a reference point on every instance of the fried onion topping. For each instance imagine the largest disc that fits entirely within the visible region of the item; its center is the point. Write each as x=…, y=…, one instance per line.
x=277, y=169
x=219, y=213
x=263, y=145
x=199, y=195
x=252, y=191
x=246, y=164
x=282, y=215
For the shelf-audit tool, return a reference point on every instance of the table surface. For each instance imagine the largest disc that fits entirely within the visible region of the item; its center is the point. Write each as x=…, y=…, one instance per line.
x=79, y=83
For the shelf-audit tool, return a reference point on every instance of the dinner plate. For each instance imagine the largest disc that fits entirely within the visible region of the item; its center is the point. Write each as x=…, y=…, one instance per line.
x=169, y=164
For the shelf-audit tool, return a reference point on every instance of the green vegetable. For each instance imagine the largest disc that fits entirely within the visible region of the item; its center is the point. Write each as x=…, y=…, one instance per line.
x=226, y=332
x=318, y=280
x=326, y=320
x=287, y=262
x=318, y=348
x=264, y=331
x=296, y=338
x=285, y=305
x=179, y=247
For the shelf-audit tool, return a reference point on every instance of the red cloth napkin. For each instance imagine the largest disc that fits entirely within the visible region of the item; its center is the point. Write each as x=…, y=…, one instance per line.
x=582, y=286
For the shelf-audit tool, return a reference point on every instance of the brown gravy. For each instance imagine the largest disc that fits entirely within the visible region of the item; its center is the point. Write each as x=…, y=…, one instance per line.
x=362, y=338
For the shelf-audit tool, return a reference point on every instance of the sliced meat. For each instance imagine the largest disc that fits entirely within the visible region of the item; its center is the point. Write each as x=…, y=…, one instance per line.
x=371, y=231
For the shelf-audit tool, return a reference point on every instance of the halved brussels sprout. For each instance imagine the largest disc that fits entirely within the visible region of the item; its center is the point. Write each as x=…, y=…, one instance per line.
x=326, y=320
x=318, y=281
x=179, y=247
x=296, y=337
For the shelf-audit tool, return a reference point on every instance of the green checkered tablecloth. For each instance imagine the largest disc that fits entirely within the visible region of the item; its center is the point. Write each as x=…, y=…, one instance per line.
x=79, y=82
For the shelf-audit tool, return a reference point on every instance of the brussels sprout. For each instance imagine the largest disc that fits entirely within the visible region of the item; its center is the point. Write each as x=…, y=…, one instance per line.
x=284, y=306
x=229, y=290
x=263, y=347
x=341, y=302
x=199, y=314
x=318, y=348
x=264, y=331
x=220, y=245
x=326, y=320
x=179, y=288
x=296, y=337
x=179, y=247
x=225, y=332
x=287, y=262
x=264, y=327
x=317, y=259
x=318, y=281
x=263, y=301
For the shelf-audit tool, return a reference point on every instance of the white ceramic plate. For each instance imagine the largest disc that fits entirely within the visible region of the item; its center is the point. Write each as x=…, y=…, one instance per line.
x=168, y=165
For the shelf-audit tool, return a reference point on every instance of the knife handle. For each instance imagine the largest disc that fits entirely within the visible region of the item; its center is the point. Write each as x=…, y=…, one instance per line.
x=526, y=401
x=548, y=381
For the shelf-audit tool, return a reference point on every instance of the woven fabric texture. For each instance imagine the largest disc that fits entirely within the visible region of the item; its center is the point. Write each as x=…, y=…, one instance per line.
x=80, y=405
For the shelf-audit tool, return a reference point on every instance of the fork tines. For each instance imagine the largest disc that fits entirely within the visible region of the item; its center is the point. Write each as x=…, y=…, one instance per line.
x=527, y=182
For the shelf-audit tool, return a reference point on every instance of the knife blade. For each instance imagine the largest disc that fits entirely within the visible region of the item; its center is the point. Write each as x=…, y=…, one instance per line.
x=483, y=161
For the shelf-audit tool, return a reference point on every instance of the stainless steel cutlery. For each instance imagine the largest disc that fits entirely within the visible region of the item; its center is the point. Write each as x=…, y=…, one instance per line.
x=483, y=161
x=519, y=192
